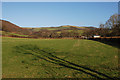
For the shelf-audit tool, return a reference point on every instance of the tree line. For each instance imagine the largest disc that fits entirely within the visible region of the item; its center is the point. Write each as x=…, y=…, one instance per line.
x=109, y=29
x=54, y=34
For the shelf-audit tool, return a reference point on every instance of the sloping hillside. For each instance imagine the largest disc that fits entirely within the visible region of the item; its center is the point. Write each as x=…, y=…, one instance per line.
x=10, y=27
x=61, y=28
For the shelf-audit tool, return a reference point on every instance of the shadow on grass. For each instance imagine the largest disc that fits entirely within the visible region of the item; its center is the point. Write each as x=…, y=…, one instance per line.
x=48, y=55
x=111, y=42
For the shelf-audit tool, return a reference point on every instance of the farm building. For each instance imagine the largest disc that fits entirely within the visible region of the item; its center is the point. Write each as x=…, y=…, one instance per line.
x=96, y=36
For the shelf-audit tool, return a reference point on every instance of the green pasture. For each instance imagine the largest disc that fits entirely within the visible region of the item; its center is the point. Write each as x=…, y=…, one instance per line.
x=58, y=58
x=10, y=34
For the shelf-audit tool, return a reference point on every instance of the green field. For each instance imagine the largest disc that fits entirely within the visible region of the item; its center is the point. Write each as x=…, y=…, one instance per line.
x=58, y=58
x=10, y=34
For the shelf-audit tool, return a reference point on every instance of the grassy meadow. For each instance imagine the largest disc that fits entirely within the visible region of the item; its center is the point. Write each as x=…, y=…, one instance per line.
x=58, y=58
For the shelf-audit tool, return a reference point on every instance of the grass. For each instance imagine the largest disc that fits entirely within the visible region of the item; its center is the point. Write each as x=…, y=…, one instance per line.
x=58, y=58
x=49, y=28
x=10, y=34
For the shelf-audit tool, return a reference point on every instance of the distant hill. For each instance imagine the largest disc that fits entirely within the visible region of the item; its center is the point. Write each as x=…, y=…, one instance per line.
x=77, y=26
x=10, y=27
x=61, y=28
x=68, y=26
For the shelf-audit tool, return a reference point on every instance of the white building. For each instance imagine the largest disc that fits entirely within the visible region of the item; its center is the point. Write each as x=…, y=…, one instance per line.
x=96, y=36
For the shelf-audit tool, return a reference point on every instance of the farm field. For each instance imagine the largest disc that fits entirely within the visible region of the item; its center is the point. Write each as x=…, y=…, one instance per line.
x=58, y=58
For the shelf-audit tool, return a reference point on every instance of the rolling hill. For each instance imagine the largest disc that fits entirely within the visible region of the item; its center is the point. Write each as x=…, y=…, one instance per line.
x=12, y=28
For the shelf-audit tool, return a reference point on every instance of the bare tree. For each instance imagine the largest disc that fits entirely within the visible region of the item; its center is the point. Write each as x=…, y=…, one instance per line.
x=114, y=25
